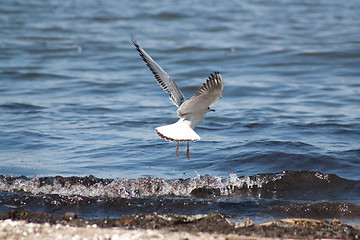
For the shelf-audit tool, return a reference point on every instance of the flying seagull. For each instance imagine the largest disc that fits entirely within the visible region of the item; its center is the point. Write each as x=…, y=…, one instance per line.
x=191, y=112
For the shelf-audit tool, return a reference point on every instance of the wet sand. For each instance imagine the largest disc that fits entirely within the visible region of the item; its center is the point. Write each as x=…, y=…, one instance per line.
x=18, y=224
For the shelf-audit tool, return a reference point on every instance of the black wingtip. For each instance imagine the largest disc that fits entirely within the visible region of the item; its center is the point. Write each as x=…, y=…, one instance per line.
x=214, y=75
x=134, y=41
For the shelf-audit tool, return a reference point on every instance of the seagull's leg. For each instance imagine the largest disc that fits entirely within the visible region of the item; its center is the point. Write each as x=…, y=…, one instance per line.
x=187, y=150
x=177, y=149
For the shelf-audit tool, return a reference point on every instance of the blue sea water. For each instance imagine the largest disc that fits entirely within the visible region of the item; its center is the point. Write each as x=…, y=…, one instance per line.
x=77, y=100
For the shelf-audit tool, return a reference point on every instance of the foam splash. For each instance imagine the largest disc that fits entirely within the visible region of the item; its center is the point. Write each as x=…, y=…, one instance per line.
x=286, y=185
x=128, y=188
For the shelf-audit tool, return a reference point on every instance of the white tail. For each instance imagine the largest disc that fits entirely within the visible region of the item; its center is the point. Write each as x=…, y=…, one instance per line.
x=179, y=131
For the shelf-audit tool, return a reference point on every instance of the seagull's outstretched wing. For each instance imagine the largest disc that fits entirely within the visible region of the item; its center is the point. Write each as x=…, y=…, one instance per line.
x=210, y=92
x=161, y=76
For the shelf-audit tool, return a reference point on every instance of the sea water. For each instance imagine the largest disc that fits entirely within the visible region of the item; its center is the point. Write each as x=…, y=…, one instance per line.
x=78, y=108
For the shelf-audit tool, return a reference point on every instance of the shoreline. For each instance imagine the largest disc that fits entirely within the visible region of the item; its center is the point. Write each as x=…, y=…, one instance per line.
x=19, y=224
x=22, y=230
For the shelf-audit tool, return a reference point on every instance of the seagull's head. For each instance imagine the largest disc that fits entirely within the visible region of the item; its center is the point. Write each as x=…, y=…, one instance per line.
x=209, y=110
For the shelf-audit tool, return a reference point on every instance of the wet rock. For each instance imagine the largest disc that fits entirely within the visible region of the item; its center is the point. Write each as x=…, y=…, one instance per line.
x=70, y=215
x=212, y=223
x=246, y=223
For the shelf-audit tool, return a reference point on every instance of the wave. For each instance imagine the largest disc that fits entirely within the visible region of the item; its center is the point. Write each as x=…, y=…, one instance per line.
x=20, y=106
x=298, y=185
x=33, y=75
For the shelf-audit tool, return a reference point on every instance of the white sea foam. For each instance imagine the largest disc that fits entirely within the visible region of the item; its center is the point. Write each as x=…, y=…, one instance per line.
x=130, y=188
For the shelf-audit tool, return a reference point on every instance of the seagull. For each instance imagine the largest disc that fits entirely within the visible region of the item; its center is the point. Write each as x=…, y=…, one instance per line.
x=191, y=112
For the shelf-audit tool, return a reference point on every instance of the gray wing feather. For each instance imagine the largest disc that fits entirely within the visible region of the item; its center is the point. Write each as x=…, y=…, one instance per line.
x=161, y=76
x=207, y=94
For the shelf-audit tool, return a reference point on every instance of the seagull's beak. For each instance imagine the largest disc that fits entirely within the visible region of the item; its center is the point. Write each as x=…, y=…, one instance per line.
x=211, y=110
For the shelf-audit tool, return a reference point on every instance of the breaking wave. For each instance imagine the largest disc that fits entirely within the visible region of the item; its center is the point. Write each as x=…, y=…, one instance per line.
x=301, y=185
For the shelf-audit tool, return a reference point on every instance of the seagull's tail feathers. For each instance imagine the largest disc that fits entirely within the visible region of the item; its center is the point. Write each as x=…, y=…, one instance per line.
x=179, y=131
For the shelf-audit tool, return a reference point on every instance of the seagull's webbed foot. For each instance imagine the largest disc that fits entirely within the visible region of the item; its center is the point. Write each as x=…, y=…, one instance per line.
x=177, y=149
x=187, y=150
